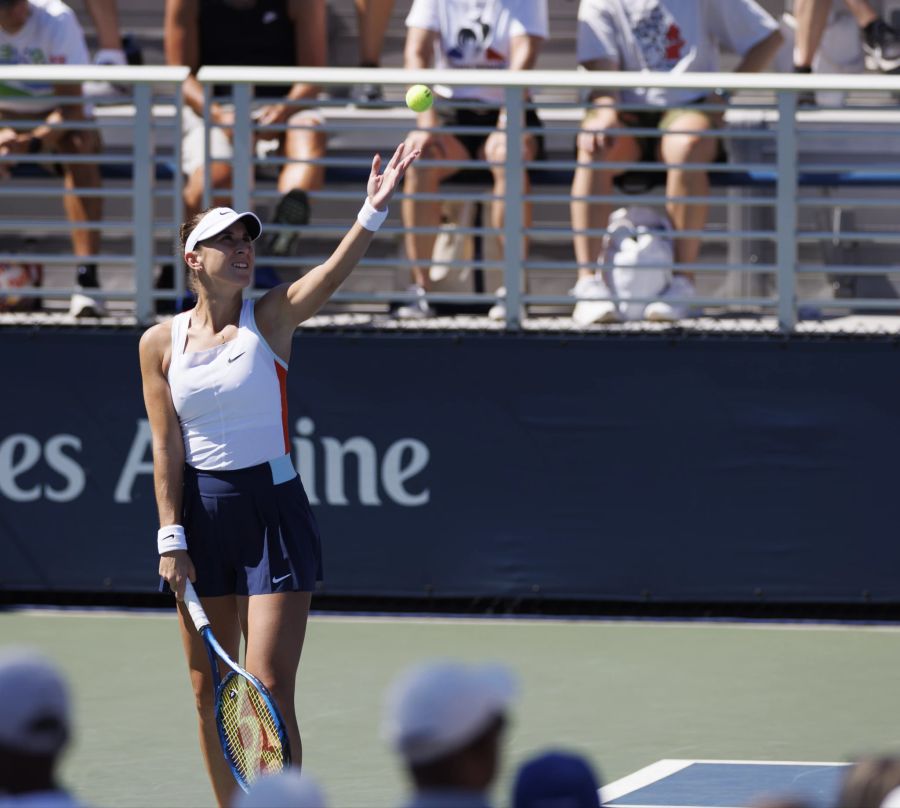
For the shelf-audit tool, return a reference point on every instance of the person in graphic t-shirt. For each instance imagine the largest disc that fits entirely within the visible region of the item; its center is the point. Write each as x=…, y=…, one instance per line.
x=461, y=34
x=47, y=32
x=676, y=36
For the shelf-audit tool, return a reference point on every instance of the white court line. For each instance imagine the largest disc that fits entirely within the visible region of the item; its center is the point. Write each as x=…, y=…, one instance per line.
x=642, y=778
x=665, y=768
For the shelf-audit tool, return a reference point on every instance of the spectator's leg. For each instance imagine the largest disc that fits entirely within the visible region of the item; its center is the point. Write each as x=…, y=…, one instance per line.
x=495, y=152
x=220, y=177
x=81, y=176
x=687, y=145
x=372, y=17
x=862, y=12
x=105, y=16
x=302, y=145
x=422, y=213
x=812, y=17
x=590, y=181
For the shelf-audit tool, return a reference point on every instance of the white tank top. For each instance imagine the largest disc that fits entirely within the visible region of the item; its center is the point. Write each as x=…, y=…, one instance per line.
x=231, y=399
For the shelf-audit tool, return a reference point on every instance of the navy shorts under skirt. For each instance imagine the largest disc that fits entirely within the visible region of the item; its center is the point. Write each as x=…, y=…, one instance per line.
x=248, y=534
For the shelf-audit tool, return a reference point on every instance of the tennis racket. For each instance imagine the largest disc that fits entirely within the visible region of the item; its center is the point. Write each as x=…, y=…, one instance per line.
x=251, y=729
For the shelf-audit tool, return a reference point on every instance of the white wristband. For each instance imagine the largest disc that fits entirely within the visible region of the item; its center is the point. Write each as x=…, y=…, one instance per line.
x=369, y=217
x=169, y=538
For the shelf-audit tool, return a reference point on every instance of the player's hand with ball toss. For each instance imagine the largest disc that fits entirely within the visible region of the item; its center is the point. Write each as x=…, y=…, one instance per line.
x=381, y=186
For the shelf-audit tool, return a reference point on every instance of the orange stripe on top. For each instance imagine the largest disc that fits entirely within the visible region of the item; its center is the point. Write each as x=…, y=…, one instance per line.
x=282, y=383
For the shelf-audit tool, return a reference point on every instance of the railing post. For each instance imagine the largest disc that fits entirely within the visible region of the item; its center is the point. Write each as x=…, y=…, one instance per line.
x=786, y=211
x=513, y=254
x=142, y=171
x=177, y=196
x=242, y=165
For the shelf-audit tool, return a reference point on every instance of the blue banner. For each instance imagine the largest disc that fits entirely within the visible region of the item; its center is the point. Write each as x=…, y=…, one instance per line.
x=492, y=465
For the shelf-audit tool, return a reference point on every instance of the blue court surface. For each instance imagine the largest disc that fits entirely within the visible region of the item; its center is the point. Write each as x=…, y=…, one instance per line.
x=724, y=784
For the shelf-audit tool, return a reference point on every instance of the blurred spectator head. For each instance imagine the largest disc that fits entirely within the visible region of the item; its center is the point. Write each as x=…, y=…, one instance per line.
x=34, y=720
x=286, y=789
x=445, y=720
x=869, y=781
x=556, y=780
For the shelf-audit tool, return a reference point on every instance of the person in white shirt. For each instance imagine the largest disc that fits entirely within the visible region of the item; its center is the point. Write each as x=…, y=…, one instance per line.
x=676, y=36
x=46, y=32
x=461, y=34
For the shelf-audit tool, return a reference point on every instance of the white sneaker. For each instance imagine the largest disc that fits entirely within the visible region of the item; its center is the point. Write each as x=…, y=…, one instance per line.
x=418, y=309
x=82, y=305
x=595, y=304
x=669, y=308
x=498, y=310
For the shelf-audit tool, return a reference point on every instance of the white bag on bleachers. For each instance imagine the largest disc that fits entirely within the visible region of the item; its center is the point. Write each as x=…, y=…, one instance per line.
x=638, y=255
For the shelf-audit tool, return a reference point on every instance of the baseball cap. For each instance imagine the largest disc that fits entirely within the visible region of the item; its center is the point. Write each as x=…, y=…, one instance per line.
x=217, y=220
x=435, y=708
x=556, y=780
x=286, y=789
x=34, y=703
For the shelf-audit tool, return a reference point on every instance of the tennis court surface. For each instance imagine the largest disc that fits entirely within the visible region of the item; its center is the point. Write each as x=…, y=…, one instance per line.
x=724, y=784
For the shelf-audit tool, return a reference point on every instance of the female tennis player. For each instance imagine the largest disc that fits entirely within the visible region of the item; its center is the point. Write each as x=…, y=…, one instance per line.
x=234, y=517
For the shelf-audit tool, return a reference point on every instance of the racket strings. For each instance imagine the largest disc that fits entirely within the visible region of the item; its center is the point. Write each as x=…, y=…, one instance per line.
x=250, y=730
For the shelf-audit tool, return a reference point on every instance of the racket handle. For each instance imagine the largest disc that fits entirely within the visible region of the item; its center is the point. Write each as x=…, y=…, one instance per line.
x=194, y=608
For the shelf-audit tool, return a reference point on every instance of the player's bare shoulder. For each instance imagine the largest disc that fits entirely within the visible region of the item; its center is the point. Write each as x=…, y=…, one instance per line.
x=156, y=347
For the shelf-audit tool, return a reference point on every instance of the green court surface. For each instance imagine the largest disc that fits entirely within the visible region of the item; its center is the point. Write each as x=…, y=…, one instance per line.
x=625, y=693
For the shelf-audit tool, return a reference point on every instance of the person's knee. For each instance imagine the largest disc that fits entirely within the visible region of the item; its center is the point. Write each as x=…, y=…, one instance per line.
x=79, y=141
x=688, y=147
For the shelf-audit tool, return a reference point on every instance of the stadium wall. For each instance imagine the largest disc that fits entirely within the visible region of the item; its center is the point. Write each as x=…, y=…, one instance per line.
x=717, y=469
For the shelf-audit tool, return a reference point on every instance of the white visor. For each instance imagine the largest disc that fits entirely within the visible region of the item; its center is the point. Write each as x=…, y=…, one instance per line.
x=217, y=220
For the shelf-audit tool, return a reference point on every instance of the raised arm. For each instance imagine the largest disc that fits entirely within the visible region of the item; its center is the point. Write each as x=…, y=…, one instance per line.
x=168, y=450
x=282, y=309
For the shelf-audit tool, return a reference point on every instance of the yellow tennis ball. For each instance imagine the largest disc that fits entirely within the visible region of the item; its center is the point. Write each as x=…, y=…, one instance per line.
x=419, y=98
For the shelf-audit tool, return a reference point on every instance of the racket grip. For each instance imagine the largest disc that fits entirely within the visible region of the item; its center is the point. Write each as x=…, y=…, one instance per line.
x=194, y=608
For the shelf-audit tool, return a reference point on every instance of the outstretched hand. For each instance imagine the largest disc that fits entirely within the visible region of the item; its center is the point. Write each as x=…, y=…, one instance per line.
x=381, y=186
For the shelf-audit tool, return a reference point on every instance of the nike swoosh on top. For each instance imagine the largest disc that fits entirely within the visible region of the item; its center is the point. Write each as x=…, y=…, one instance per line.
x=232, y=358
x=279, y=580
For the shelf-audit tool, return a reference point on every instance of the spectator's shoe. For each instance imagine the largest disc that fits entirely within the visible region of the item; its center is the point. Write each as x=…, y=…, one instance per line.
x=166, y=280
x=82, y=305
x=674, y=303
x=368, y=94
x=293, y=210
x=882, y=43
x=497, y=312
x=594, y=303
x=805, y=98
x=418, y=309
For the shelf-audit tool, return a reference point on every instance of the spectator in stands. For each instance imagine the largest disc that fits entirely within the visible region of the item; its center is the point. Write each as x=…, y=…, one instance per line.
x=869, y=782
x=663, y=35
x=47, y=32
x=372, y=18
x=486, y=33
x=35, y=724
x=880, y=40
x=556, y=779
x=446, y=720
x=252, y=32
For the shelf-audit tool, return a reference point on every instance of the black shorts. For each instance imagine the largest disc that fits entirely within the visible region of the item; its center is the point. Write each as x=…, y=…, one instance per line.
x=487, y=118
x=250, y=533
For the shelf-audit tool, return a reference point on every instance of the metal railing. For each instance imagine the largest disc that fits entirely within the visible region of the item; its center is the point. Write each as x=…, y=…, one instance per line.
x=759, y=201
